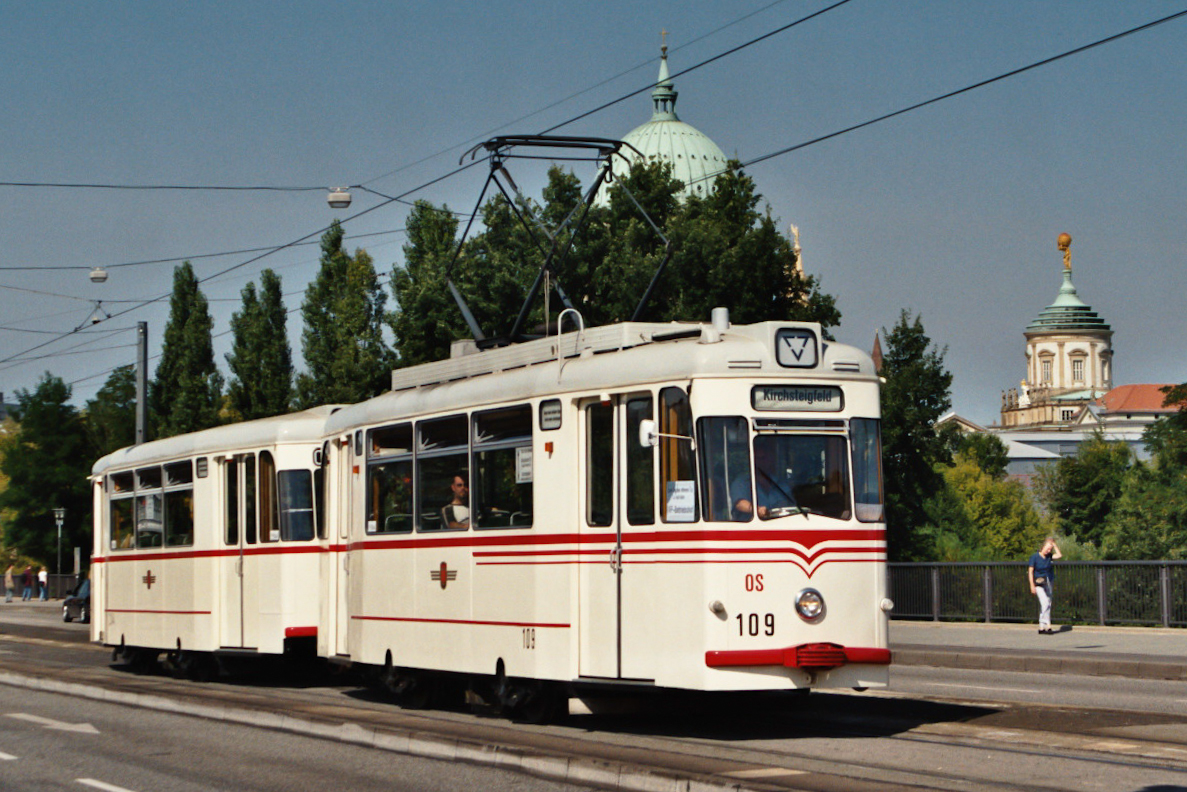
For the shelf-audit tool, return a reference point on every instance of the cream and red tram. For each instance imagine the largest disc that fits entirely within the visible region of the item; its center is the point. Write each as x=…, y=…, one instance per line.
x=670, y=505
x=210, y=542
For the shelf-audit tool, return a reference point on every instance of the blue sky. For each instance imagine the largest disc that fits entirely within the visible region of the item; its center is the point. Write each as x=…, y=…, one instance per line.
x=951, y=211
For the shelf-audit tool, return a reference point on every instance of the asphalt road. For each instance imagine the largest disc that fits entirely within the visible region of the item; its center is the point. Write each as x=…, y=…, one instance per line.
x=935, y=729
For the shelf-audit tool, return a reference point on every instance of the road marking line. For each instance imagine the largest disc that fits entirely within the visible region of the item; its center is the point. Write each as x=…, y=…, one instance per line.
x=764, y=772
x=6, y=757
x=983, y=687
x=100, y=785
x=1112, y=746
x=49, y=723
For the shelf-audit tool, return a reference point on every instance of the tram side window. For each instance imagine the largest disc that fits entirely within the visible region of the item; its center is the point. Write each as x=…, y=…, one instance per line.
x=269, y=516
x=232, y=472
x=724, y=446
x=389, y=479
x=179, y=504
x=443, y=474
x=600, y=463
x=150, y=516
x=640, y=466
x=677, y=463
x=250, y=523
x=122, y=526
x=867, y=469
x=502, y=486
x=296, y=505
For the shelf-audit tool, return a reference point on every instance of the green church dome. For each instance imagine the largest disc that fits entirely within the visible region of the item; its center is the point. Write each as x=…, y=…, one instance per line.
x=696, y=160
x=1068, y=312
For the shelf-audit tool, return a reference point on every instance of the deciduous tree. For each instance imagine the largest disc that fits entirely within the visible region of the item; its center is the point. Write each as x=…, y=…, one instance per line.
x=110, y=417
x=47, y=464
x=916, y=394
x=1080, y=491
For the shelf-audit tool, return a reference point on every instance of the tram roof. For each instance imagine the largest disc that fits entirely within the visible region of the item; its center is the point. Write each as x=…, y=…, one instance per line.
x=611, y=357
x=305, y=426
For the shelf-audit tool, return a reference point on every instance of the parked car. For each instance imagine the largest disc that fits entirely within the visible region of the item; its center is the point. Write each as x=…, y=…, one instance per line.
x=78, y=604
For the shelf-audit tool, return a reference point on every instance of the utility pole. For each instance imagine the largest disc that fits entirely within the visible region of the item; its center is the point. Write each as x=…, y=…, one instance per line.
x=141, y=381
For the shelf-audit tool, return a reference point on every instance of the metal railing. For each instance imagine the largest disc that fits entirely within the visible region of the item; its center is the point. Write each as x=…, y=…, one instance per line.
x=1086, y=592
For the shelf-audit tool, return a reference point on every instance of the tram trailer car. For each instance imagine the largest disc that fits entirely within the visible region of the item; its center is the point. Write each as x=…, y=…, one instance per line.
x=660, y=505
x=208, y=543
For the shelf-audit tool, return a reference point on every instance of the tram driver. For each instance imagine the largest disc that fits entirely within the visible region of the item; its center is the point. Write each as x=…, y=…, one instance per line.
x=773, y=485
x=456, y=514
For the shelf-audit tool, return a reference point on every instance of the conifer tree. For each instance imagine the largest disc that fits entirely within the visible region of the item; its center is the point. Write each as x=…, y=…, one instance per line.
x=345, y=355
x=260, y=359
x=186, y=393
x=47, y=464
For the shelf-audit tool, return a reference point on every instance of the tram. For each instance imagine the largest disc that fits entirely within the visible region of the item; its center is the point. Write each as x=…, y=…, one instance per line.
x=209, y=543
x=687, y=505
x=694, y=506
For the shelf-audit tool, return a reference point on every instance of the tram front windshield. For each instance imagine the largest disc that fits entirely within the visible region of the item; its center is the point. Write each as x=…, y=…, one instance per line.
x=787, y=473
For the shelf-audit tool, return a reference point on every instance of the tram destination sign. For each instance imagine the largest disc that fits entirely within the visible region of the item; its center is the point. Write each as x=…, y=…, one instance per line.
x=797, y=398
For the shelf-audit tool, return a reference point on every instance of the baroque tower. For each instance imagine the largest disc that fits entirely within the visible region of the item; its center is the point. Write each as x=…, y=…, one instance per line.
x=1069, y=359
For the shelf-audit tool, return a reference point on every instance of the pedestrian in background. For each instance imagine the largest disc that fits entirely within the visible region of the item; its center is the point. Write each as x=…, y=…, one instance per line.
x=43, y=584
x=9, y=583
x=1041, y=571
x=28, y=581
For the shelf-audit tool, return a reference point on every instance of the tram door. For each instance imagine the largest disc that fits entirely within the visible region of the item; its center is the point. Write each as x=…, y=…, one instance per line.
x=610, y=463
x=239, y=616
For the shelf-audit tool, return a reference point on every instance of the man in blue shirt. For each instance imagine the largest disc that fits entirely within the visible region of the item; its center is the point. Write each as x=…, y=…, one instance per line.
x=774, y=490
x=1041, y=573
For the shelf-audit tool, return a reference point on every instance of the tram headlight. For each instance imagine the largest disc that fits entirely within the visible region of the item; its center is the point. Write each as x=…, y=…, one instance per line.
x=809, y=604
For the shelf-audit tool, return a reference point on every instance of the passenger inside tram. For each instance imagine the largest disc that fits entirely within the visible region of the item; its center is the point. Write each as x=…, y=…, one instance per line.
x=456, y=513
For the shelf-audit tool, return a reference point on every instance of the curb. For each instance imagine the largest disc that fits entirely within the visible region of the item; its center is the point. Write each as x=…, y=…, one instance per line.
x=553, y=767
x=989, y=660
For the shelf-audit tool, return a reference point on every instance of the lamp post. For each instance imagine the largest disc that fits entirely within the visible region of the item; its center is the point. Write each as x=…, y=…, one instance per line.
x=59, y=517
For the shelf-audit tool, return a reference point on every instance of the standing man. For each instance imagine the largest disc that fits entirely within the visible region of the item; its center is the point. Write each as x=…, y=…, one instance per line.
x=9, y=583
x=28, y=581
x=43, y=584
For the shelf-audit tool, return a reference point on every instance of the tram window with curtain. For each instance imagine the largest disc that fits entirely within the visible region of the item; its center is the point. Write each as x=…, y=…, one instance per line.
x=443, y=474
x=295, y=489
x=677, y=463
x=724, y=446
x=503, y=471
x=150, y=515
x=179, y=504
x=269, y=506
x=640, y=466
x=389, y=480
x=121, y=525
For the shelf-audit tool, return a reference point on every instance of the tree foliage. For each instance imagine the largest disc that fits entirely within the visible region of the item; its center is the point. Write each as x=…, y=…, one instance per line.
x=260, y=359
x=186, y=394
x=725, y=252
x=47, y=464
x=346, y=357
x=1080, y=491
x=915, y=395
x=110, y=417
x=1149, y=520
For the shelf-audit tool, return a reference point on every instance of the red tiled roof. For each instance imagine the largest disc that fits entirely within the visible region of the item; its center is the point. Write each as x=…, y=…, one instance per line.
x=1135, y=398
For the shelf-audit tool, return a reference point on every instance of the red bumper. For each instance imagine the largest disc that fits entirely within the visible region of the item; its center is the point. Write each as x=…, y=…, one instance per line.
x=817, y=656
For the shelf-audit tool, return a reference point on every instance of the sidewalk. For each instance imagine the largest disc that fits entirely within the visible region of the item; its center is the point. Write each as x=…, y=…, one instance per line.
x=1137, y=652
